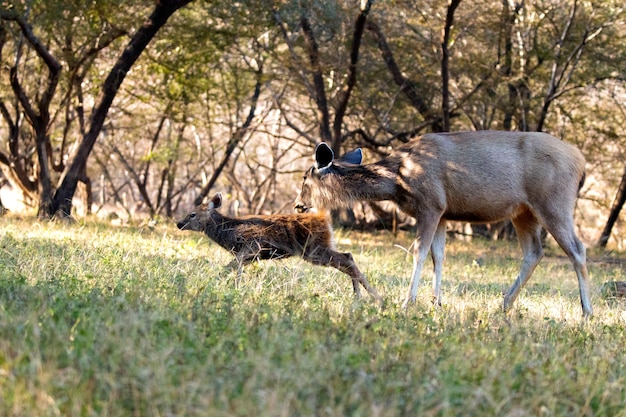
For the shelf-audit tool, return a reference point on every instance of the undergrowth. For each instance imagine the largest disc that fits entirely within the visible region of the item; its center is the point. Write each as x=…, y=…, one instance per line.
x=104, y=321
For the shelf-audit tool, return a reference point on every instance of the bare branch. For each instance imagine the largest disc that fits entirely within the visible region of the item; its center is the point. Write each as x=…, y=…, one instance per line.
x=407, y=86
x=33, y=40
x=234, y=140
x=163, y=10
x=294, y=56
x=54, y=67
x=318, y=80
x=340, y=111
x=445, y=73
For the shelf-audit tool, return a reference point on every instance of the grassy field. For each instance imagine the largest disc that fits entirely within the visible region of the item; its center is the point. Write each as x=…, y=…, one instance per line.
x=104, y=321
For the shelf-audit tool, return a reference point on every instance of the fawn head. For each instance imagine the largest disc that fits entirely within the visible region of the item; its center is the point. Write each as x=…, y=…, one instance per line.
x=198, y=218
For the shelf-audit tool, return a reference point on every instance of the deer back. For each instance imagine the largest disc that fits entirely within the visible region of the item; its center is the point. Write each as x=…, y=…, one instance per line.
x=471, y=176
x=292, y=234
x=276, y=235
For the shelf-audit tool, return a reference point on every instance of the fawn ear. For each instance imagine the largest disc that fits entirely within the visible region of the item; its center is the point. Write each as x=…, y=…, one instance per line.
x=323, y=156
x=216, y=201
x=354, y=157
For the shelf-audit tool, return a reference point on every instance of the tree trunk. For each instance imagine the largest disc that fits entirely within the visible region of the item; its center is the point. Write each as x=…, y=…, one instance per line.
x=340, y=111
x=12, y=167
x=508, y=20
x=45, y=180
x=62, y=202
x=620, y=199
x=37, y=110
x=318, y=80
x=445, y=70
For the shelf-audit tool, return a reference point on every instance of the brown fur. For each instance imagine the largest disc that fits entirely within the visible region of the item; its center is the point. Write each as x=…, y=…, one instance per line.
x=531, y=178
x=275, y=236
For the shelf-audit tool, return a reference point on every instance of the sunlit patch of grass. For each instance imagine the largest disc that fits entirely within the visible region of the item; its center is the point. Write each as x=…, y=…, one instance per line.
x=97, y=320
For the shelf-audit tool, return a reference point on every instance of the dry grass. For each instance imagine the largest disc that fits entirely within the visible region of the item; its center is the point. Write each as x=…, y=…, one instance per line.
x=103, y=321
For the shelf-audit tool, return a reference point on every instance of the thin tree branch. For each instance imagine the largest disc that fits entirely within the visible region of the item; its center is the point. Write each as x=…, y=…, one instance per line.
x=407, y=86
x=163, y=10
x=341, y=108
x=445, y=70
x=234, y=141
x=318, y=80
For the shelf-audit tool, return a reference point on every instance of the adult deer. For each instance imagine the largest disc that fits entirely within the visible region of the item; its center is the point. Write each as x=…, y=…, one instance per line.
x=531, y=178
x=252, y=238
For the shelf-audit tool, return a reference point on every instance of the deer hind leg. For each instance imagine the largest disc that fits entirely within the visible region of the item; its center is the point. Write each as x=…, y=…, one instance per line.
x=345, y=263
x=355, y=282
x=437, y=252
x=528, y=231
x=562, y=229
x=348, y=266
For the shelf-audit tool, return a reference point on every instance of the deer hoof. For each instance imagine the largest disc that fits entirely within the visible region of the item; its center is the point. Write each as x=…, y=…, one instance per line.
x=409, y=300
x=506, y=305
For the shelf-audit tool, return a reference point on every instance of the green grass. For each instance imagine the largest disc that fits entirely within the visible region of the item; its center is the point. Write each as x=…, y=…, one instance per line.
x=104, y=321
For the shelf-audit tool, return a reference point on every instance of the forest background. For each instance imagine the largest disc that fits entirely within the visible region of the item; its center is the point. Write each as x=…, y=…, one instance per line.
x=142, y=108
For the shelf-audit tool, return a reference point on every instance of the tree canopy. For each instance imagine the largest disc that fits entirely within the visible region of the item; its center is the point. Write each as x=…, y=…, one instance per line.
x=148, y=106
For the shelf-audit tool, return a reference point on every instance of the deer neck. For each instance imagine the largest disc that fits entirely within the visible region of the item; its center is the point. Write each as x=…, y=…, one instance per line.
x=372, y=182
x=220, y=229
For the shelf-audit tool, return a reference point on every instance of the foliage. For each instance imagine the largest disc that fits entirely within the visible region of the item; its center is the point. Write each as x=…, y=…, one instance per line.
x=96, y=320
x=189, y=107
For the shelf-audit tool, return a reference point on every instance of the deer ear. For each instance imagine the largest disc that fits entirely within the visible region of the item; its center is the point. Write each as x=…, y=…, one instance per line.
x=323, y=155
x=216, y=201
x=354, y=157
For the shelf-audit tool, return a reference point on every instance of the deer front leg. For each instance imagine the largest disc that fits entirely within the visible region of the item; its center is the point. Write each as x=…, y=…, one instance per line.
x=241, y=259
x=425, y=233
x=234, y=265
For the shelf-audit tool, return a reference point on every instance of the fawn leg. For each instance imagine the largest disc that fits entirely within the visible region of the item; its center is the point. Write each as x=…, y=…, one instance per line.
x=345, y=263
x=241, y=259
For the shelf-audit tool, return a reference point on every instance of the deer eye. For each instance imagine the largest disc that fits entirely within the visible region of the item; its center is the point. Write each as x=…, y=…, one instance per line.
x=192, y=215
